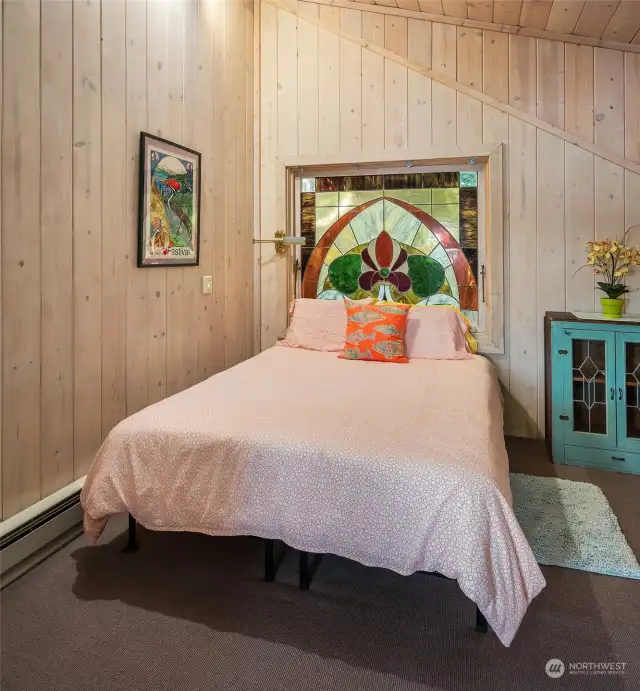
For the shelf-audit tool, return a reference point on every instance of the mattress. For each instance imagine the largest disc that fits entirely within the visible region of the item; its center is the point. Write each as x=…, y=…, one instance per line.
x=401, y=466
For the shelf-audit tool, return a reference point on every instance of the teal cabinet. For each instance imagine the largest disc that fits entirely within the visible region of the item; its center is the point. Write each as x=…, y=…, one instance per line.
x=593, y=392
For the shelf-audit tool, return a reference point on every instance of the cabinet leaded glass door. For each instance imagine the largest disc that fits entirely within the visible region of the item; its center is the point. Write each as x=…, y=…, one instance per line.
x=628, y=390
x=590, y=388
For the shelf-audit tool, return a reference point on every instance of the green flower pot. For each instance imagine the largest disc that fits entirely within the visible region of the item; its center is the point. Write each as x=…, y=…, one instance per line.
x=612, y=307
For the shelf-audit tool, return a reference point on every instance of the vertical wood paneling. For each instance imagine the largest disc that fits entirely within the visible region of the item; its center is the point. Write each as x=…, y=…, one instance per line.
x=632, y=220
x=87, y=241
x=328, y=98
x=469, y=67
x=522, y=73
x=373, y=110
x=579, y=90
x=84, y=78
x=419, y=86
x=157, y=107
x=287, y=84
x=496, y=65
x=190, y=288
x=372, y=84
x=444, y=49
x=308, y=86
x=136, y=305
x=579, y=226
x=396, y=98
x=234, y=227
x=395, y=34
x=550, y=87
x=609, y=199
x=351, y=83
x=609, y=99
x=373, y=27
x=523, y=358
x=56, y=215
x=469, y=45
x=21, y=267
x=272, y=273
x=443, y=98
x=551, y=260
x=469, y=120
x=220, y=149
x=114, y=227
x=632, y=106
x=175, y=122
x=252, y=137
x=396, y=85
x=495, y=126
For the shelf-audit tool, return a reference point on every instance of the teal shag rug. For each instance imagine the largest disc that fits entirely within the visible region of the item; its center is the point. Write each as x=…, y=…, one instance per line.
x=571, y=524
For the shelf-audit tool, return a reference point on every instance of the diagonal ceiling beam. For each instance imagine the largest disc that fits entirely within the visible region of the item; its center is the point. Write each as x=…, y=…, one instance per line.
x=489, y=26
x=463, y=88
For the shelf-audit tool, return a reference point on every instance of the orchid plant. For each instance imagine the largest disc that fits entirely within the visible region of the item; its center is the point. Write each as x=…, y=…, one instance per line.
x=612, y=260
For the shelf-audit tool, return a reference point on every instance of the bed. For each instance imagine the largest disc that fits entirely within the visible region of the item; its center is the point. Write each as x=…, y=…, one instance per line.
x=396, y=466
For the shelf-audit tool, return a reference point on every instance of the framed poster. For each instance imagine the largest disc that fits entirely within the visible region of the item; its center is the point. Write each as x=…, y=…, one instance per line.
x=169, y=224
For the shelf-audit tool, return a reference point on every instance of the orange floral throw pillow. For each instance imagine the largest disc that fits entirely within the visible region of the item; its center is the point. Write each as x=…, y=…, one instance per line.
x=376, y=332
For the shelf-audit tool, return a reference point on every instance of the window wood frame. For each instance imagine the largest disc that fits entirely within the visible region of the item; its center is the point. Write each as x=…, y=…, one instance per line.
x=491, y=159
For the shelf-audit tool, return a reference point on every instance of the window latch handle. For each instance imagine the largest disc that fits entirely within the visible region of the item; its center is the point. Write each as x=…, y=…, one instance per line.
x=483, y=275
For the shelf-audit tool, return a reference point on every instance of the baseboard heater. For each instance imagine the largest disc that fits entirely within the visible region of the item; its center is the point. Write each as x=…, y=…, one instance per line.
x=32, y=535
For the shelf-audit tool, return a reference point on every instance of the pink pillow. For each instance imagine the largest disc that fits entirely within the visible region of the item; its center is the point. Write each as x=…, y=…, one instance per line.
x=436, y=333
x=318, y=324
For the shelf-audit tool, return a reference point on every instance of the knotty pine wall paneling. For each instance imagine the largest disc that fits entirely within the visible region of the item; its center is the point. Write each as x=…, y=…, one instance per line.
x=87, y=337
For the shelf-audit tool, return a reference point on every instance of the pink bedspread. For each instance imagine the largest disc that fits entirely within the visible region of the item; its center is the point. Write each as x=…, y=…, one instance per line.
x=396, y=466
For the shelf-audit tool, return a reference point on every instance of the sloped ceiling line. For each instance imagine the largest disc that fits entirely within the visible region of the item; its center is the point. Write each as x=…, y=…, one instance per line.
x=463, y=88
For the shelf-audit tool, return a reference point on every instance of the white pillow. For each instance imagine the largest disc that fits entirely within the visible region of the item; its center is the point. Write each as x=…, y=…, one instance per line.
x=318, y=324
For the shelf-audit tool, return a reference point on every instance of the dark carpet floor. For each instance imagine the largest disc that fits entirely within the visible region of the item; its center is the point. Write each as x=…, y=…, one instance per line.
x=190, y=612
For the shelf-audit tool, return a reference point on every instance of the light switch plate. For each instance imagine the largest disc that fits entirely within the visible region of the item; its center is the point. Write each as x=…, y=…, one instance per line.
x=207, y=285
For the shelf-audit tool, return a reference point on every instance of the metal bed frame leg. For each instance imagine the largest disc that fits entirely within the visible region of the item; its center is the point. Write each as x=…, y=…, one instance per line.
x=269, y=561
x=481, y=623
x=132, y=544
x=305, y=574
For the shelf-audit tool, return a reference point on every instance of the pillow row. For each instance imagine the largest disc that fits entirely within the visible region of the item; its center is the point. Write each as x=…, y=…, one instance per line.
x=438, y=332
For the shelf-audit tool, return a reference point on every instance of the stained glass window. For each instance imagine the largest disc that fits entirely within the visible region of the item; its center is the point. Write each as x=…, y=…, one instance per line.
x=410, y=238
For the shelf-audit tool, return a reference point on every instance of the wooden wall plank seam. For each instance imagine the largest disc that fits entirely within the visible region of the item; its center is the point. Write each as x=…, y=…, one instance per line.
x=175, y=317
x=21, y=280
x=551, y=259
x=136, y=385
x=114, y=227
x=56, y=217
x=157, y=123
x=87, y=234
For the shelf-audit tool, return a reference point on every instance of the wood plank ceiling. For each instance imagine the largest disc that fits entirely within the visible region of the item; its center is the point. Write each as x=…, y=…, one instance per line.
x=612, y=20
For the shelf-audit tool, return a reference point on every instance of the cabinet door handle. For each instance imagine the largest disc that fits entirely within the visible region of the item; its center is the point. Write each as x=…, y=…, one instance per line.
x=618, y=458
x=613, y=393
x=562, y=351
x=619, y=394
